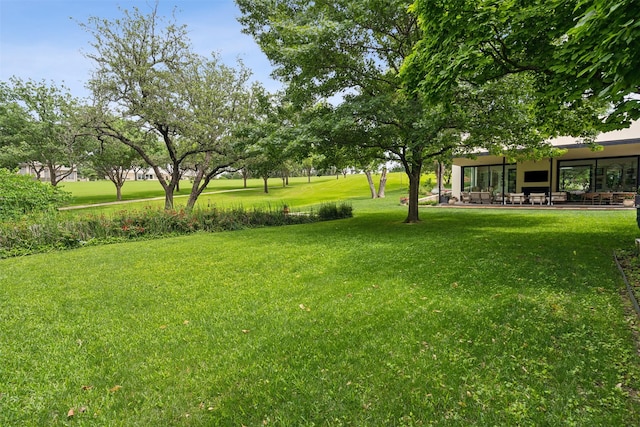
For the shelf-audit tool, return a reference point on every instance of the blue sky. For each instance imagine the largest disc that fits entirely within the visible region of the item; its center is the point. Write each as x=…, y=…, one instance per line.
x=43, y=40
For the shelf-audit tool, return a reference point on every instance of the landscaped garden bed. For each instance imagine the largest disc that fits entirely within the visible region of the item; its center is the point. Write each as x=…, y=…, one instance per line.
x=40, y=233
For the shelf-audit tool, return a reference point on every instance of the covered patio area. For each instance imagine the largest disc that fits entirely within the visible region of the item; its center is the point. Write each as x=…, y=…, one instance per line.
x=581, y=176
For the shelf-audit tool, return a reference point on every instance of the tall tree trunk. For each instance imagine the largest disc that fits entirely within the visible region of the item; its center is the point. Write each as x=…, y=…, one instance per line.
x=383, y=183
x=166, y=186
x=169, y=190
x=266, y=186
x=168, y=197
x=172, y=187
x=245, y=176
x=195, y=190
x=118, y=192
x=52, y=174
x=372, y=186
x=414, y=189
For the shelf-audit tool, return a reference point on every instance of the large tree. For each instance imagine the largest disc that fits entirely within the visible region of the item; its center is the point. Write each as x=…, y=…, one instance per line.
x=353, y=52
x=577, y=52
x=113, y=160
x=148, y=76
x=268, y=137
x=42, y=127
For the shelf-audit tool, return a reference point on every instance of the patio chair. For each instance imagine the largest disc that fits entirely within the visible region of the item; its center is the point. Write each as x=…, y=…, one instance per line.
x=464, y=197
x=540, y=198
x=590, y=197
x=474, y=197
x=558, y=197
x=606, y=198
x=485, y=197
x=517, y=198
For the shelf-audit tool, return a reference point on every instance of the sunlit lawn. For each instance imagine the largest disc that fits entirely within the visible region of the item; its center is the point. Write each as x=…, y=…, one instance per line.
x=231, y=192
x=472, y=317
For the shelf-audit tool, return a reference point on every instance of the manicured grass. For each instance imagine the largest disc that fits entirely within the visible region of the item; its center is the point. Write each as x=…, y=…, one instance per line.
x=232, y=192
x=472, y=317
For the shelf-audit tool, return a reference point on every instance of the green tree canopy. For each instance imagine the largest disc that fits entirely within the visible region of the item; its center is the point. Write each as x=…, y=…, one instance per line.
x=579, y=53
x=352, y=53
x=42, y=126
x=148, y=76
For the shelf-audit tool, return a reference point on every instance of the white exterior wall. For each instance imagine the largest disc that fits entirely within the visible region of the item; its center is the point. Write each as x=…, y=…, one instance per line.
x=456, y=179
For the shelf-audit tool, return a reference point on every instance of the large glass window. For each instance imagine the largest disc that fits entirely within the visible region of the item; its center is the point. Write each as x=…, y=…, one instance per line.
x=602, y=175
x=486, y=178
x=617, y=174
x=576, y=176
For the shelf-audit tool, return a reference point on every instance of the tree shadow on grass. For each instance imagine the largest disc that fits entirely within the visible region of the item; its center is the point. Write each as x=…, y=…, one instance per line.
x=572, y=251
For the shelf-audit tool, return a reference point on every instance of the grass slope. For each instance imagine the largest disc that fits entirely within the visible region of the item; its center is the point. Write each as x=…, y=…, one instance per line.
x=472, y=317
x=225, y=192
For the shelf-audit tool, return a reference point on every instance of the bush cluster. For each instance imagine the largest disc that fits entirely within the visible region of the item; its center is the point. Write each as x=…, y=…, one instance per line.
x=21, y=195
x=332, y=211
x=50, y=231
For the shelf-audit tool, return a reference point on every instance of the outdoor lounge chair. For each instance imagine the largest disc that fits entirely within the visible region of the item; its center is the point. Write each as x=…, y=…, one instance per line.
x=517, y=198
x=540, y=198
x=558, y=196
x=474, y=197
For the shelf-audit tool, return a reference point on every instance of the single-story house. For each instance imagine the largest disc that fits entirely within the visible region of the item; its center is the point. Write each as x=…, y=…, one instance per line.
x=45, y=173
x=581, y=174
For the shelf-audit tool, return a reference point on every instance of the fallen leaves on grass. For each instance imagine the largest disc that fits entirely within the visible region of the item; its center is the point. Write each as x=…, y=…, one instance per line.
x=72, y=411
x=303, y=307
x=115, y=388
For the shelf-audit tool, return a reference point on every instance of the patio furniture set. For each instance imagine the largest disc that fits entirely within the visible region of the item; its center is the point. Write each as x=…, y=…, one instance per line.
x=609, y=198
x=486, y=197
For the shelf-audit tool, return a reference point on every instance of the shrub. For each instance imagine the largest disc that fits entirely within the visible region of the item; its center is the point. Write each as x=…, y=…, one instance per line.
x=330, y=211
x=427, y=186
x=20, y=195
x=48, y=231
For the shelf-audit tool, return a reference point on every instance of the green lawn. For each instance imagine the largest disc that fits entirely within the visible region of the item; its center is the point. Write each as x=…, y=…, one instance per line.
x=472, y=317
x=227, y=192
